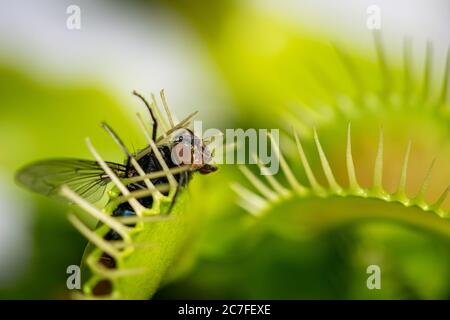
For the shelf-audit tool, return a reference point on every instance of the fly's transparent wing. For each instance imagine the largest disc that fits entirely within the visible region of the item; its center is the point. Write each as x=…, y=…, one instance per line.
x=84, y=177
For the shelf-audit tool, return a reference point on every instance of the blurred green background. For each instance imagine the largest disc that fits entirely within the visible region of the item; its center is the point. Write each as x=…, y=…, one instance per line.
x=246, y=64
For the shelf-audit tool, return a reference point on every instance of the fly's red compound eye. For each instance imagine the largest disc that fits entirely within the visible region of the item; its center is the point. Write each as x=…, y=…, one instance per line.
x=188, y=149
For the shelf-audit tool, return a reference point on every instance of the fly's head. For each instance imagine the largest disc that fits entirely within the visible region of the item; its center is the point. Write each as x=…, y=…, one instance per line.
x=188, y=149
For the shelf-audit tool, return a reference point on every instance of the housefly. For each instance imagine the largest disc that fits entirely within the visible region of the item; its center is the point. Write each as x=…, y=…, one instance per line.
x=88, y=179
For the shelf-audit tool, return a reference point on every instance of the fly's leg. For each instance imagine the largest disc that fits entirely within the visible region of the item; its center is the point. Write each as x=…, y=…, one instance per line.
x=152, y=115
x=184, y=177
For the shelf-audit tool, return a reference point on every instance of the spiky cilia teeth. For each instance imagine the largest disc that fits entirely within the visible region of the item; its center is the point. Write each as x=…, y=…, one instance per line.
x=119, y=250
x=391, y=93
x=374, y=102
x=257, y=204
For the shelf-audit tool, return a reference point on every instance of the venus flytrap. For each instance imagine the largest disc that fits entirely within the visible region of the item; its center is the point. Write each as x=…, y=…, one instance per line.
x=145, y=222
x=143, y=262
x=313, y=205
x=138, y=262
x=321, y=207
